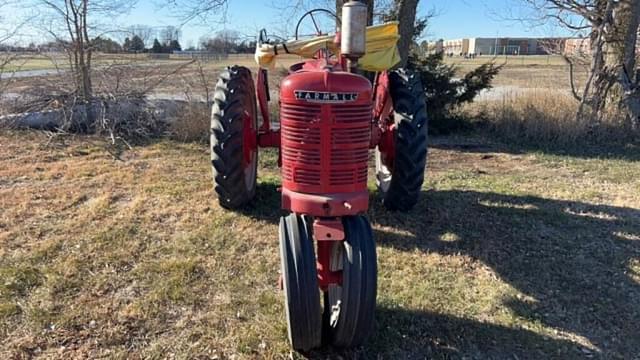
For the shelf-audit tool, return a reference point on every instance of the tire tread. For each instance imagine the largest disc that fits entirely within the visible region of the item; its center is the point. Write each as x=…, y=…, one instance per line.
x=410, y=117
x=234, y=86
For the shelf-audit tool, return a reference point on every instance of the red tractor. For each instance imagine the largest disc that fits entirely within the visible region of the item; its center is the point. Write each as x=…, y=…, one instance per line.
x=330, y=118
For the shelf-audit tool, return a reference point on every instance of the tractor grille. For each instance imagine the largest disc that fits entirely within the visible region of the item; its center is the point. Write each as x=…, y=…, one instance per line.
x=325, y=148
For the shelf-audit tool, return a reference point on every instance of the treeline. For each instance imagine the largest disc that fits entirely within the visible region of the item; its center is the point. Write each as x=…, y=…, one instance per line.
x=137, y=45
x=227, y=42
x=134, y=44
x=224, y=42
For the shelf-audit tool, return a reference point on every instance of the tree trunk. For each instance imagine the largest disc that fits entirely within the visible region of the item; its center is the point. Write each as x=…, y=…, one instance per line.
x=339, y=4
x=615, y=83
x=407, y=17
x=627, y=75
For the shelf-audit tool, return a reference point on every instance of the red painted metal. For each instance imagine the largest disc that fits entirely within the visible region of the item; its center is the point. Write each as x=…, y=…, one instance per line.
x=269, y=139
x=325, y=145
x=384, y=127
x=262, y=90
x=328, y=229
x=387, y=146
x=249, y=139
x=327, y=232
x=325, y=151
x=326, y=205
x=383, y=105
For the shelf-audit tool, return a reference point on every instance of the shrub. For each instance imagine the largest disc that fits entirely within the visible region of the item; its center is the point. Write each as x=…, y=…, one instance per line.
x=445, y=93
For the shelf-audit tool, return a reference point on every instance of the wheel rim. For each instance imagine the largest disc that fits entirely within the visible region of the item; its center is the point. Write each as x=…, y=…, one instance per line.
x=250, y=148
x=383, y=173
x=385, y=155
x=335, y=291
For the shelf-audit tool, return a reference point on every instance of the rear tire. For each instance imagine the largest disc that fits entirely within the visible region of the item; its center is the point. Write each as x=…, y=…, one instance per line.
x=234, y=154
x=300, y=282
x=350, y=307
x=400, y=186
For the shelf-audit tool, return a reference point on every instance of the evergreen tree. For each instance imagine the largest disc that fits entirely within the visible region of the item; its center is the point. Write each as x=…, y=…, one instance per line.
x=137, y=45
x=157, y=48
x=106, y=45
x=126, y=46
x=445, y=92
x=174, y=45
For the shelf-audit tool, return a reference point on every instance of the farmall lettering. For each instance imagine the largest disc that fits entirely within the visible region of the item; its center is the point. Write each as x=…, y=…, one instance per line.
x=325, y=97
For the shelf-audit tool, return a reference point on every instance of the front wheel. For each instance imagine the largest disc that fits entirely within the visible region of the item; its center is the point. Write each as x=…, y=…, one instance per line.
x=400, y=168
x=349, y=307
x=234, y=151
x=300, y=283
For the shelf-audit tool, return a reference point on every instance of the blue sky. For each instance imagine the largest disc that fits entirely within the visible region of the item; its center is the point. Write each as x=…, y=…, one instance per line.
x=455, y=19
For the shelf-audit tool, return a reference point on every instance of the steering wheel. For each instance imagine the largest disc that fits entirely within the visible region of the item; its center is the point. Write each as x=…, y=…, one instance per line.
x=315, y=22
x=264, y=38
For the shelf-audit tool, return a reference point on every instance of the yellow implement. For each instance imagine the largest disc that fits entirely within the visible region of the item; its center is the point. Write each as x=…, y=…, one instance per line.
x=382, y=52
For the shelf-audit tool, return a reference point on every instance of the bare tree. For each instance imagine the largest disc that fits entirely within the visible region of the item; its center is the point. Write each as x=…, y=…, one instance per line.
x=5, y=32
x=73, y=25
x=222, y=42
x=7, y=59
x=201, y=11
x=613, y=83
x=144, y=32
x=169, y=34
x=411, y=27
x=571, y=54
x=406, y=10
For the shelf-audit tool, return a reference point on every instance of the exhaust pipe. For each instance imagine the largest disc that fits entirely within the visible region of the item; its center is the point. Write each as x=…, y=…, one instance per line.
x=354, y=31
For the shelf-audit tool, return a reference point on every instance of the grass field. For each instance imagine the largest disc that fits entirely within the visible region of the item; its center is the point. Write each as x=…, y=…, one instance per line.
x=509, y=60
x=511, y=252
x=40, y=62
x=45, y=62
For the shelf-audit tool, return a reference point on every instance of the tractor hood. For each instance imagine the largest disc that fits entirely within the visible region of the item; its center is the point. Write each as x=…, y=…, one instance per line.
x=325, y=87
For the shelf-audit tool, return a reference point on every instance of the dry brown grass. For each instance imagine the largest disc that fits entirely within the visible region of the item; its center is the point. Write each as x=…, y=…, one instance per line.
x=507, y=254
x=193, y=124
x=548, y=116
x=531, y=102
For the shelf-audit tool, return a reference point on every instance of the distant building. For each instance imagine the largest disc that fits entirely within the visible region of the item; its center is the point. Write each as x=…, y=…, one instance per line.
x=516, y=46
x=456, y=47
x=578, y=46
x=507, y=46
